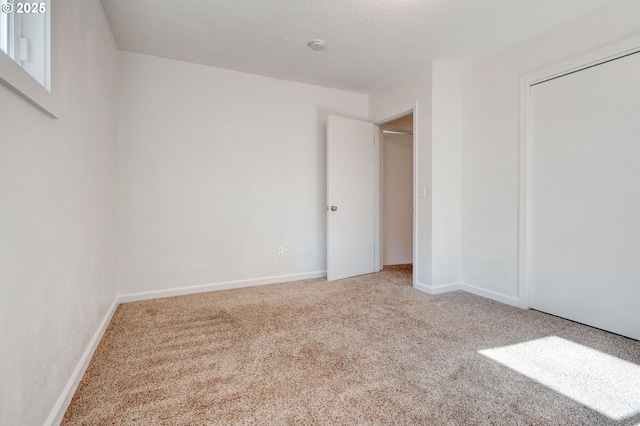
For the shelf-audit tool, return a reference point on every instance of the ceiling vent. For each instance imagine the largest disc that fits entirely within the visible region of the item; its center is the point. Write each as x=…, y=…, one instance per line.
x=317, y=44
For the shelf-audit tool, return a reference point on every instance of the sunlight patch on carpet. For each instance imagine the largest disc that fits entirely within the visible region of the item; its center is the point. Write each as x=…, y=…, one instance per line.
x=604, y=383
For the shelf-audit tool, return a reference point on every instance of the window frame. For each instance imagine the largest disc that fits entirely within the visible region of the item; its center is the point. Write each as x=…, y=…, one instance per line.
x=17, y=79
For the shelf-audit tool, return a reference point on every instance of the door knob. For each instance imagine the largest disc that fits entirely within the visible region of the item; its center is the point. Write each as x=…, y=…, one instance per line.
x=334, y=208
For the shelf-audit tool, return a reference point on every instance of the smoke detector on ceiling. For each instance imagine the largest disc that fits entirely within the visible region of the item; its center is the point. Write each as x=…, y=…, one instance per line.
x=317, y=44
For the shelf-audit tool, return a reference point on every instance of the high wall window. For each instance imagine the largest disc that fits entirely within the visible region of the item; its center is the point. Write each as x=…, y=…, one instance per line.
x=25, y=37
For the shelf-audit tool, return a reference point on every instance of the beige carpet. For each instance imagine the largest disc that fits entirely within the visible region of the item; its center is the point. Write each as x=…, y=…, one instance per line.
x=366, y=350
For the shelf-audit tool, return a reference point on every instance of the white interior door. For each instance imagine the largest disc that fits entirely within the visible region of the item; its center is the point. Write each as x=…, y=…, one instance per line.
x=350, y=198
x=585, y=199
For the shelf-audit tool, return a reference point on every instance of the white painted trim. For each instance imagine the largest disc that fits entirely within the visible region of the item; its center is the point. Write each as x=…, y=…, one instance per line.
x=437, y=289
x=394, y=113
x=478, y=291
x=416, y=191
x=60, y=408
x=72, y=384
x=608, y=53
x=577, y=63
x=489, y=294
x=378, y=140
x=227, y=285
x=64, y=400
x=524, y=232
x=19, y=81
x=420, y=286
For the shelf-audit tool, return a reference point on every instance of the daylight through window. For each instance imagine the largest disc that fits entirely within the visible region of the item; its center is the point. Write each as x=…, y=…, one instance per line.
x=25, y=37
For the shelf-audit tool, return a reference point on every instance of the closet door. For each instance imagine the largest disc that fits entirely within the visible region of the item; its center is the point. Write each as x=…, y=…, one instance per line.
x=585, y=196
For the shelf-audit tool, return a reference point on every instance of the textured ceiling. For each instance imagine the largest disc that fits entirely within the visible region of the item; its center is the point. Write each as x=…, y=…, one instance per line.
x=369, y=42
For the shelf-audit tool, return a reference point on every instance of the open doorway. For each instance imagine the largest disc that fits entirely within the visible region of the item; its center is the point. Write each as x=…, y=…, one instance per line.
x=397, y=194
x=355, y=180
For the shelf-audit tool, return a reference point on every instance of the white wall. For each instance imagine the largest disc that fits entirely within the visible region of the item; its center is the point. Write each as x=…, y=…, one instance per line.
x=445, y=147
x=437, y=88
x=394, y=99
x=216, y=169
x=397, y=192
x=57, y=216
x=490, y=132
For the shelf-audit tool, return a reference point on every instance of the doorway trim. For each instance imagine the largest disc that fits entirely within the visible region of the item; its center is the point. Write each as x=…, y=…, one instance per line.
x=412, y=109
x=596, y=57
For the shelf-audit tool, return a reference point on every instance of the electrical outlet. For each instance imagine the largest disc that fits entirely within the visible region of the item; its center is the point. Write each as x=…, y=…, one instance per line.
x=280, y=251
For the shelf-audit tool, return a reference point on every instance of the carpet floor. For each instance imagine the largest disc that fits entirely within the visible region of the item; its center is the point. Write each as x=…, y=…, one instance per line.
x=364, y=350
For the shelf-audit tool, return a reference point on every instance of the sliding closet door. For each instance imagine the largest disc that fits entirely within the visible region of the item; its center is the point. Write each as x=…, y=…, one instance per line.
x=585, y=199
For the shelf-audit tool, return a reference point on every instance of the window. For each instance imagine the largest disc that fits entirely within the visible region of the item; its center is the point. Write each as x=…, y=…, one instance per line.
x=6, y=33
x=24, y=37
x=25, y=44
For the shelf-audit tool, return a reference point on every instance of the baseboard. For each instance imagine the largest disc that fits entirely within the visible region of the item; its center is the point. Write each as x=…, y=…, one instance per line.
x=67, y=394
x=180, y=291
x=70, y=389
x=490, y=294
x=478, y=291
x=437, y=289
x=57, y=413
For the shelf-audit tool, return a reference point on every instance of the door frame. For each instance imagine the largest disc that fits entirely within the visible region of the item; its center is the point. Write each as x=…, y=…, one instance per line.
x=578, y=63
x=378, y=196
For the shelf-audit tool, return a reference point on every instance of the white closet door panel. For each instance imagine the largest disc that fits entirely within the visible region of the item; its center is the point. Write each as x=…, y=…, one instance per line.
x=585, y=200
